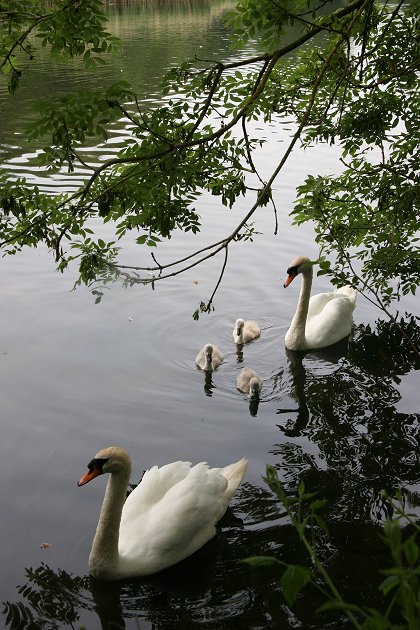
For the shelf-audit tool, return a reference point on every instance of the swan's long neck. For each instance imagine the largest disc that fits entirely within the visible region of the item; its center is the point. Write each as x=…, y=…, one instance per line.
x=104, y=556
x=298, y=325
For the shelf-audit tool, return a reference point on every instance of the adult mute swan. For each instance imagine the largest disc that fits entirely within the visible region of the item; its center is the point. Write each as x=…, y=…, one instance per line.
x=209, y=357
x=323, y=319
x=243, y=332
x=167, y=517
x=249, y=382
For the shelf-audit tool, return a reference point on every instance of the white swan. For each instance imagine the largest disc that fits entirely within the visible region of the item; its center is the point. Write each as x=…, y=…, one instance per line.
x=249, y=382
x=243, y=332
x=172, y=513
x=323, y=319
x=209, y=357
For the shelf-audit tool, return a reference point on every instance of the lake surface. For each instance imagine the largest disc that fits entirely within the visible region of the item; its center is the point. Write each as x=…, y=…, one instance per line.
x=76, y=376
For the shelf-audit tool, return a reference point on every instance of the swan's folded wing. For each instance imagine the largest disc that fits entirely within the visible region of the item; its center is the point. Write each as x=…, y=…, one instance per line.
x=155, y=483
x=317, y=302
x=178, y=523
x=333, y=323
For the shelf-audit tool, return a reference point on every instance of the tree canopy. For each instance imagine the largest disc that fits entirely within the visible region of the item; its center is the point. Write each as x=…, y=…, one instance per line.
x=351, y=81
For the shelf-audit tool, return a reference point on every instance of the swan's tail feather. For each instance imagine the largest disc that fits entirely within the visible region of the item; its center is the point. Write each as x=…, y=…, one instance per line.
x=234, y=473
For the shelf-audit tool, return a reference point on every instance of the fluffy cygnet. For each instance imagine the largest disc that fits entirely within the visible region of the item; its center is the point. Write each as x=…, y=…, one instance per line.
x=245, y=331
x=249, y=382
x=209, y=357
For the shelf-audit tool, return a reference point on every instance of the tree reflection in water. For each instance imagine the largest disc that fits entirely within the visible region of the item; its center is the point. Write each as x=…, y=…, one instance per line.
x=211, y=590
x=53, y=600
x=347, y=410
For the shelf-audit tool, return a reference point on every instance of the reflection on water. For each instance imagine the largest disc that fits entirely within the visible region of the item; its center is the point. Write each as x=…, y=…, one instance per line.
x=253, y=407
x=212, y=589
x=327, y=360
x=348, y=409
x=208, y=383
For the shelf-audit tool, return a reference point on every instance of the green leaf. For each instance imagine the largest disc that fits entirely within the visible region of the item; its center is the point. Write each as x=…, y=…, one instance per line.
x=389, y=583
x=411, y=550
x=293, y=580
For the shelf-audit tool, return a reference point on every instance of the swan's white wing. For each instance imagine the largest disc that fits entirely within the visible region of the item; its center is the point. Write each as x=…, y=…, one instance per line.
x=317, y=302
x=154, y=485
x=332, y=323
x=165, y=523
x=251, y=330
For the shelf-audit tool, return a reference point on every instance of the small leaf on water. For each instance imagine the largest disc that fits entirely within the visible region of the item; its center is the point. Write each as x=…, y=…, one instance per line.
x=389, y=583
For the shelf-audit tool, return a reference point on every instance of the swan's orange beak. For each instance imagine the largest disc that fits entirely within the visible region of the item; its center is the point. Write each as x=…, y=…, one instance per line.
x=91, y=474
x=289, y=279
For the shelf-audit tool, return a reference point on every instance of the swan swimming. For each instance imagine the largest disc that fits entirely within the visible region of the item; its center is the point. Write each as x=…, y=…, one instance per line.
x=166, y=518
x=249, y=382
x=321, y=320
x=209, y=357
x=245, y=331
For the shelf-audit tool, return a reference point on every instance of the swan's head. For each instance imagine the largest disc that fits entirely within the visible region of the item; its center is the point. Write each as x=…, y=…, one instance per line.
x=109, y=460
x=301, y=264
x=254, y=387
x=239, y=325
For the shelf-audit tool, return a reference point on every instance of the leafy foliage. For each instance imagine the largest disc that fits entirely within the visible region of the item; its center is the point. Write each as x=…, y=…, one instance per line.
x=70, y=28
x=351, y=82
x=400, y=587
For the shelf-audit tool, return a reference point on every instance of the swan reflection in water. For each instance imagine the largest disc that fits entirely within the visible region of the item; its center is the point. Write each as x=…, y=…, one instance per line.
x=325, y=362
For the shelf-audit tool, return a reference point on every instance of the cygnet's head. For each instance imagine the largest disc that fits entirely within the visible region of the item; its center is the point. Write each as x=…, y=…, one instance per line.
x=254, y=387
x=208, y=349
x=239, y=325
